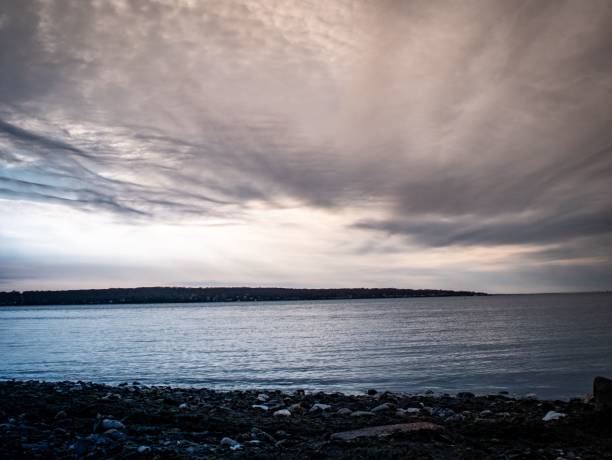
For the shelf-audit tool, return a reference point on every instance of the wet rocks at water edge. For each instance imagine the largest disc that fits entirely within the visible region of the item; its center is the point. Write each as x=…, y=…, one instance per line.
x=602, y=393
x=76, y=420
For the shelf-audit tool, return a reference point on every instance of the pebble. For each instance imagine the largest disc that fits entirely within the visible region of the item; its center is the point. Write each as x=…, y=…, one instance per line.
x=372, y=392
x=143, y=449
x=552, y=415
x=261, y=435
x=110, y=424
x=455, y=418
x=362, y=413
x=260, y=406
x=184, y=406
x=412, y=410
x=319, y=407
x=262, y=397
x=296, y=408
x=282, y=413
x=231, y=443
x=114, y=434
x=344, y=411
x=384, y=407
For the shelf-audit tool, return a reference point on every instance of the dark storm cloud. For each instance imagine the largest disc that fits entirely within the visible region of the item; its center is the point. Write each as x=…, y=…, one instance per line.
x=453, y=123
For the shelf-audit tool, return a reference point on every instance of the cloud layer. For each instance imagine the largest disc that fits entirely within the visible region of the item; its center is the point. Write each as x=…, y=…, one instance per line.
x=422, y=126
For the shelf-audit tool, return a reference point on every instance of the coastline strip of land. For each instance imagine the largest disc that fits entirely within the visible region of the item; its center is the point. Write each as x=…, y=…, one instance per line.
x=210, y=294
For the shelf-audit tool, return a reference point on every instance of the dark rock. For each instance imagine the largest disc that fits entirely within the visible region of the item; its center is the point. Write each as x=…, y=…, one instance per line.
x=465, y=395
x=110, y=424
x=262, y=435
x=372, y=392
x=602, y=393
x=385, y=407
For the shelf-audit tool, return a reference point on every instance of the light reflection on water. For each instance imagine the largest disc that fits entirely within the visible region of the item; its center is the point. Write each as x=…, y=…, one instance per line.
x=549, y=344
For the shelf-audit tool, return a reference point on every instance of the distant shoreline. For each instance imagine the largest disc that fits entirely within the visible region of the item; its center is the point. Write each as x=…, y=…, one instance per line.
x=145, y=295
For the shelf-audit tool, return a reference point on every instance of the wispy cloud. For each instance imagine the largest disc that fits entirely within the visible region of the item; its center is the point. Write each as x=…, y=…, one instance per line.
x=446, y=124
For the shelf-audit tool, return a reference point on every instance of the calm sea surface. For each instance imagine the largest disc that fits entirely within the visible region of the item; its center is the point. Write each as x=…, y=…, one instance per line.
x=552, y=345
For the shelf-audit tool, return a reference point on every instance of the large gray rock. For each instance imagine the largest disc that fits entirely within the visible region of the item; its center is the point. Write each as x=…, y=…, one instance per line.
x=385, y=430
x=602, y=393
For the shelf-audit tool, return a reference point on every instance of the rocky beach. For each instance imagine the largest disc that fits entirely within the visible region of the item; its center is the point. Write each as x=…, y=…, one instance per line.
x=88, y=420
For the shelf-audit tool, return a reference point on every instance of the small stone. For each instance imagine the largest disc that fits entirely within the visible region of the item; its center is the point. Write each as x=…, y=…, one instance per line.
x=143, y=449
x=319, y=407
x=110, y=424
x=344, y=411
x=282, y=413
x=413, y=410
x=552, y=415
x=455, y=418
x=184, y=406
x=486, y=413
x=443, y=412
x=231, y=443
x=531, y=396
x=260, y=406
x=82, y=446
x=372, y=392
x=114, y=434
x=465, y=395
x=261, y=435
x=362, y=413
x=384, y=407
x=262, y=397
x=296, y=408
x=429, y=392
x=61, y=414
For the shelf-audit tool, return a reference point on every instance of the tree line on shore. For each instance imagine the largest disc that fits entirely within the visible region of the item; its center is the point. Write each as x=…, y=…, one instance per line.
x=209, y=294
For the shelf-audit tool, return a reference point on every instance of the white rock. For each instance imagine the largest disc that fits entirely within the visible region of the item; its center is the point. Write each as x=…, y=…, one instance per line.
x=262, y=397
x=110, y=424
x=552, y=415
x=231, y=443
x=282, y=413
x=319, y=407
x=260, y=406
x=184, y=406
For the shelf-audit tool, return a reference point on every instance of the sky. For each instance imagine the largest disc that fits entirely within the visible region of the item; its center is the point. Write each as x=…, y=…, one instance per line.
x=323, y=143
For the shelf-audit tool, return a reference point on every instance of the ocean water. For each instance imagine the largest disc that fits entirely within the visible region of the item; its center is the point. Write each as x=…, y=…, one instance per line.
x=552, y=345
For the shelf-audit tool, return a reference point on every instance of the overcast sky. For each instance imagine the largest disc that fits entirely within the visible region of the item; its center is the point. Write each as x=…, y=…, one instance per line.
x=323, y=143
